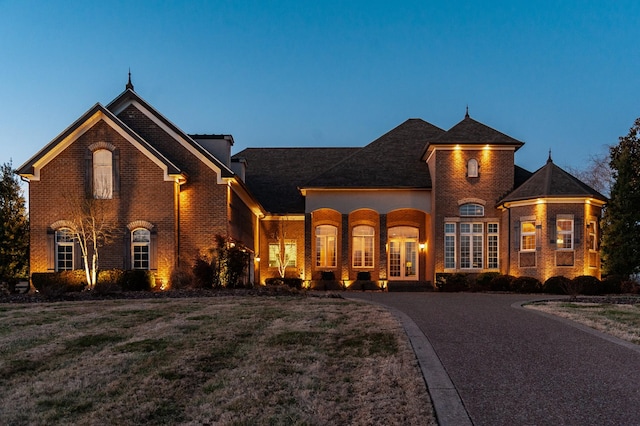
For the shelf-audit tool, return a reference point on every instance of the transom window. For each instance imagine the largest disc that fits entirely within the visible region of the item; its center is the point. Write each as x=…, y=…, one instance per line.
x=326, y=244
x=564, y=237
x=140, y=242
x=363, y=243
x=64, y=250
x=472, y=209
x=102, y=174
x=528, y=235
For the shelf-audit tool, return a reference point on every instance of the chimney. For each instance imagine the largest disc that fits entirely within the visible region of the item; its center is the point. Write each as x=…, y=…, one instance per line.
x=239, y=167
x=218, y=145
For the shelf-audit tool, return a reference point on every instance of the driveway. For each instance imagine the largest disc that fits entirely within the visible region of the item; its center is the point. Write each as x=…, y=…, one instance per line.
x=512, y=366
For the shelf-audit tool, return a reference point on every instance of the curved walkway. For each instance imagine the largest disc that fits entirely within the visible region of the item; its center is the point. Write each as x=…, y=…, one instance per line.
x=489, y=362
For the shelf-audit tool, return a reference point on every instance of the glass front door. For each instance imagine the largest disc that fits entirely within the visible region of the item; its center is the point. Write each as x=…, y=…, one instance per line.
x=403, y=253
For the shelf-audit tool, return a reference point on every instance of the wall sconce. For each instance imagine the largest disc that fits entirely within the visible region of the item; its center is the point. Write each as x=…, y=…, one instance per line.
x=257, y=258
x=422, y=246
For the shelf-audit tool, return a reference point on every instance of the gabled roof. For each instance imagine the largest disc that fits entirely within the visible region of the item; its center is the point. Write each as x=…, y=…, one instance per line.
x=472, y=132
x=31, y=168
x=128, y=97
x=550, y=181
x=391, y=161
x=273, y=175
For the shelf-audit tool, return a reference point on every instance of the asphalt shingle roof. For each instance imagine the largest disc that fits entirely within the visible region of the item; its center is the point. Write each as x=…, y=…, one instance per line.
x=274, y=175
x=550, y=181
x=470, y=131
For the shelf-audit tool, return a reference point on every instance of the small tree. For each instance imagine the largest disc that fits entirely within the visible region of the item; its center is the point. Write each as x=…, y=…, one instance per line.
x=92, y=226
x=285, y=248
x=14, y=228
x=597, y=172
x=621, y=223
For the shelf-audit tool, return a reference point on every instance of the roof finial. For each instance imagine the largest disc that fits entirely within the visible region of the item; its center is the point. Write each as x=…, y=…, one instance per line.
x=129, y=84
x=466, y=114
x=549, y=160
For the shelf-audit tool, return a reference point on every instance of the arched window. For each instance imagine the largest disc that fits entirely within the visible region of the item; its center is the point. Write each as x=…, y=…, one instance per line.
x=140, y=242
x=472, y=209
x=362, y=247
x=102, y=174
x=472, y=168
x=64, y=250
x=326, y=245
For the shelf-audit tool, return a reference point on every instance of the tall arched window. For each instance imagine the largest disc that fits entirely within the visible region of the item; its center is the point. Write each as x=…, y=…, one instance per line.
x=472, y=168
x=362, y=247
x=140, y=242
x=102, y=174
x=64, y=250
x=326, y=245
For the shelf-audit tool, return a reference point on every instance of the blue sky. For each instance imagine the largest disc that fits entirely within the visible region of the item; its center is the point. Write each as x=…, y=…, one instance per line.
x=559, y=75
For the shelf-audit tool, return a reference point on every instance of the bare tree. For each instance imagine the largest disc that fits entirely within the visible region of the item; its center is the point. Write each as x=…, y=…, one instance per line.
x=92, y=226
x=596, y=172
x=285, y=248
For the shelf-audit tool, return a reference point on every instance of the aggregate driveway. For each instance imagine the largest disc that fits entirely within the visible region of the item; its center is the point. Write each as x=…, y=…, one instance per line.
x=512, y=366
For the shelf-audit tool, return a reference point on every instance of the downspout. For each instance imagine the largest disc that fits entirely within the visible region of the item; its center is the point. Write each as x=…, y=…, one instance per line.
x=509, y=241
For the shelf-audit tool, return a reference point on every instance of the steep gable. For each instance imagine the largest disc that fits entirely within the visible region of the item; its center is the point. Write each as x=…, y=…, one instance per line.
x=472, y=132
x=391, y=161
x=31, y=169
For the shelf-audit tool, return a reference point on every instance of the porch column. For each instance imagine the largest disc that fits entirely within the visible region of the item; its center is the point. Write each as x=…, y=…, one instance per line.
x=308, y=253
x=382, y=265
x=344, y=270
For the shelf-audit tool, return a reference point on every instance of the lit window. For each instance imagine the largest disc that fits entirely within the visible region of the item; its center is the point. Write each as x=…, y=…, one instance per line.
x=64, y=250
x=564, y=237
x=290, y=254
x=471, y=209
x=363, y=242
x=593, y=242
x=449, y=245
x=140, y=242
x=472, y=168
x=528, y=235
x=326, y=244
x=471, y=243
x=492, y=245
x=102, y=174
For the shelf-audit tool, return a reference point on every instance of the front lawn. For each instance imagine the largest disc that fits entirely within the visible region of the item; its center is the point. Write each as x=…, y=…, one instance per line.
x=223, y=360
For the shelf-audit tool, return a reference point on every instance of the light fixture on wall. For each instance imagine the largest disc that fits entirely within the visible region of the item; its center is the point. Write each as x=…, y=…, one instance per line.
x=422, y=246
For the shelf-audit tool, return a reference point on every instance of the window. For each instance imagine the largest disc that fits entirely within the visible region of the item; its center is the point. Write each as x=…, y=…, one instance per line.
x=102, y=174
x=593, y=241
x=64, y=249
x=326, y=244
x=471, y=209
x=363, y=242
x=471, y=242
x=492, y=245
x=140, y=242
x=472, y=168
x=528, y=235
x=564, y=237
x=449, y=245
x=290, y=254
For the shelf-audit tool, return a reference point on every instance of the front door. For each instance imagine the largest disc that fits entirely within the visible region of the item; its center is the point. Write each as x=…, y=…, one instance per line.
x=403, y=253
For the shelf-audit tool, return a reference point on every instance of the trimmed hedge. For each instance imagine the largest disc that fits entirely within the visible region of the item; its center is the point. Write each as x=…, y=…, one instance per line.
x=452, y=282
x=556, y=285
x=588, y=285
x=58, y=283
x=501, y=283
x=289, y=282
x=526, y=285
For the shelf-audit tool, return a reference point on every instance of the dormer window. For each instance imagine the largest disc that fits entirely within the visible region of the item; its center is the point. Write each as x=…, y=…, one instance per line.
x=472, y=168
x=472, y=210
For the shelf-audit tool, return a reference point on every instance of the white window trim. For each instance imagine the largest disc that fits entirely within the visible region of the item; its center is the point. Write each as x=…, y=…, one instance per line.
x=528, y=234
x=359, y=242
x=559, y=232
x=496, y=235
x=452, y=235
x=324, y=244
x=472, y=235
x=135, y=244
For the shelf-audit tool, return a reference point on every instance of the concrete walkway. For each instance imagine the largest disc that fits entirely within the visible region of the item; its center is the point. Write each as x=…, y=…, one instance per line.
x=487, y=361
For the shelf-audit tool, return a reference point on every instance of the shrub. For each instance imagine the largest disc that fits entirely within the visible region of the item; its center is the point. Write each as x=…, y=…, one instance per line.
x=328, y=276
x=289, y=282
x=588, y=285
x=110, y=276
x=526, y=285
x=482, y=281
x=55, y=284
x=137, y=280
x=203, y=273
x=501, y=283
x=364, y=276
x=630, y=286
x=612, y=284
x=556, y=285
x=182, y=278
x=455, y=282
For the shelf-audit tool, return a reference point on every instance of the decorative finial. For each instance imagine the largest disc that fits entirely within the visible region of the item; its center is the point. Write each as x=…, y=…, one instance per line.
x=466, y=114
x=129, y=84
x=549, y=160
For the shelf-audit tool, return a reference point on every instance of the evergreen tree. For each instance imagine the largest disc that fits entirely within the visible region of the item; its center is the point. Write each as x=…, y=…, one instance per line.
x=621, y=224
x=14, y=228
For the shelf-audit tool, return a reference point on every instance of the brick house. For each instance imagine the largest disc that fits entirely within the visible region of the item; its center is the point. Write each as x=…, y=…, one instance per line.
x=413, y=203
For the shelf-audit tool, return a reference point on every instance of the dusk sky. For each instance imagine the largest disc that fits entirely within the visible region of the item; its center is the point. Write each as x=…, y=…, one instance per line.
x=559, y=75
